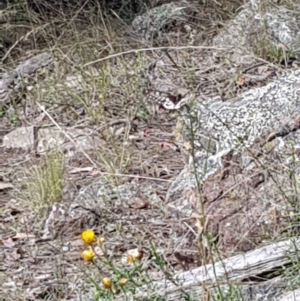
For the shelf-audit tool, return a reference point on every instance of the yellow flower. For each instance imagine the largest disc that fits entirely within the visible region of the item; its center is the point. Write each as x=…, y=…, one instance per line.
x=107, y=282
x=88, y=255
x=88, y=236
x=123, y=281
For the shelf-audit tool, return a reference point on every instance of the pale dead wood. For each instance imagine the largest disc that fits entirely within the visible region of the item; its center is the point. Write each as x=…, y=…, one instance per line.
x=231, y=270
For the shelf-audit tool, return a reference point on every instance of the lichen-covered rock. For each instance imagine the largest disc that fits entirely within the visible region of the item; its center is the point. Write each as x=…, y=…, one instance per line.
x=257, y=31
x=284, y=26
x=154, y=20
x=243, y=176
x=237, y=123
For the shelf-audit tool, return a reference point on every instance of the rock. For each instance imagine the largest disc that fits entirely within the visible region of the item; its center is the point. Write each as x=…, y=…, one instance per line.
x=99, y=205
x=237, y=123
x=69, y=140
x=33, y=64
x=259, y=32
x=154, y=20
x=11, y=81
x=22, y=137
x=244, y=182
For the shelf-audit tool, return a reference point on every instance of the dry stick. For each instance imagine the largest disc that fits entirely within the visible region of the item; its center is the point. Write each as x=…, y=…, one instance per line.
x=151, y=49
x=88, y=157
x=172, y=48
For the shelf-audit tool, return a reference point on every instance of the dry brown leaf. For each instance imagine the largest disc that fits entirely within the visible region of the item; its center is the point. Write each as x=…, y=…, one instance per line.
x=21, y=251
x=8, y=242
x=166, y=146
x=241, y=80
x=186, y=260
x=23, y=235
x=4, y=185
x=139, y=204
x=147, y=132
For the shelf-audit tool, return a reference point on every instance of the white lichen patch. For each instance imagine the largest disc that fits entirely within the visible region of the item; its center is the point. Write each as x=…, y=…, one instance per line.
x=235, y=124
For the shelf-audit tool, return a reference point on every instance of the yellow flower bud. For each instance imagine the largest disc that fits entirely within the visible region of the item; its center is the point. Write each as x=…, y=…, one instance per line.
x=134, y=255
x=123, y=281
x=101, y=241
x=88, y=255
x=107, y=282
x=130, y=259
x=88, y=236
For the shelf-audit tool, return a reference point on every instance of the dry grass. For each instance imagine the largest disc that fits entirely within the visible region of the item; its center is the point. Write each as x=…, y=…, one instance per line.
x=42, y=185
x=106, y=97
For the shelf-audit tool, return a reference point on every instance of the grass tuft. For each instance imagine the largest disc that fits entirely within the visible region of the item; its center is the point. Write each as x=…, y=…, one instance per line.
x=44, y=184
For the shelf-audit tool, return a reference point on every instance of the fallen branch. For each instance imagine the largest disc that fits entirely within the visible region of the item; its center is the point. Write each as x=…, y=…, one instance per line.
x=234, y=270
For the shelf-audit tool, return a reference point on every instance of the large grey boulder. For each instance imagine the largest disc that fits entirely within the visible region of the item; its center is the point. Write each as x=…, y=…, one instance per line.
x=242, y=164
